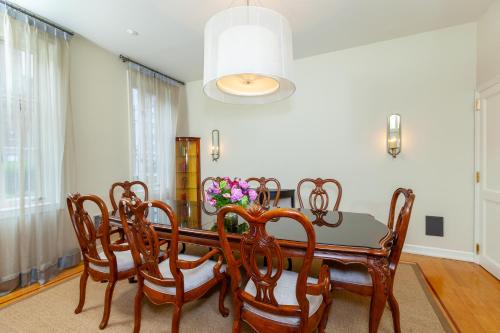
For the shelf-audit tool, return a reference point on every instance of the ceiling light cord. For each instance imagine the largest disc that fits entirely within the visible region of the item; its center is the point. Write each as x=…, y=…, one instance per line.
x=248, y=3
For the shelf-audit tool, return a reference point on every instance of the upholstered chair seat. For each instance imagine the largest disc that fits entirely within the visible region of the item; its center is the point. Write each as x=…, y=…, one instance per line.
x=354, y=274
x=193, y=278
x=285, y=295
x=124, y=262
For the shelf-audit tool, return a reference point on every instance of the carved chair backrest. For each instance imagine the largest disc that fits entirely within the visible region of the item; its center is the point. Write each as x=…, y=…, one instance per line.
x=204, y=206
x=257, y=243
x=127, y=192
x=145, y=245
x=319, y=198
x=86, y=232
x=264, y=192
x=401, y=226
x=204, y=187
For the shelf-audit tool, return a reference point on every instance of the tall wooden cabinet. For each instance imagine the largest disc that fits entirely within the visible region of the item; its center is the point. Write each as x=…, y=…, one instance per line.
x=188, y=180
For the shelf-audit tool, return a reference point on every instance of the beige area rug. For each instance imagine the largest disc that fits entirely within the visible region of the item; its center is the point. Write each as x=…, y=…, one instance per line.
x=52, y=310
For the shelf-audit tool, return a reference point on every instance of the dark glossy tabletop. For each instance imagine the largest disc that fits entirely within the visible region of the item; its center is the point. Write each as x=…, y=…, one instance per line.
x=331, y=228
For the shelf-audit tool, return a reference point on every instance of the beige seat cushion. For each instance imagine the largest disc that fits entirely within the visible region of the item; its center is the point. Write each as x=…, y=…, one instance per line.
x=124, y=262
x=285, y=295
x=353, y=274
x=193, y=278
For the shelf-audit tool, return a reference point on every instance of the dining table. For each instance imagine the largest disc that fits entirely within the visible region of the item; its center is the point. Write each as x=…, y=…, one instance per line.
x=343, y=237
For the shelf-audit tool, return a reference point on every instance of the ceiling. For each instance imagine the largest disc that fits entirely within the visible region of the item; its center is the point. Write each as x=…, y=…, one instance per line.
x=170, y=35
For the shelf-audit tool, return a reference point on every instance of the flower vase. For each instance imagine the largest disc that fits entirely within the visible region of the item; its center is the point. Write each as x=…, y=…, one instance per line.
x=231, y=222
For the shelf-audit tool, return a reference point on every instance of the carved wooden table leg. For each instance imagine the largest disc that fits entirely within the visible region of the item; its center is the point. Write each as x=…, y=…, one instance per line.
x=381, y=278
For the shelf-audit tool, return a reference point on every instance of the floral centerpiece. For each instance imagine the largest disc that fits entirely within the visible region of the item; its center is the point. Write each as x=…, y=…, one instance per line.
x=225, y=192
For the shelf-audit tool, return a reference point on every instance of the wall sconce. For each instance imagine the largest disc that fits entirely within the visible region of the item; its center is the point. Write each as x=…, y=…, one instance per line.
x=215, y=145
x=394, y=134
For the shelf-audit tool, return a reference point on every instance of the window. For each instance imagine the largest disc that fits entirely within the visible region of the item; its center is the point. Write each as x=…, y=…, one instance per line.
x=34, y=77
x=152, y=114
x=145, y=158
x=15, y=171
x=31, y=136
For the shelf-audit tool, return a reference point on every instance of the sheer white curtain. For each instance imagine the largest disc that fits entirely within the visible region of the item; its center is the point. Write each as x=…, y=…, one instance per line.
x=35, y=233
x=154, y=104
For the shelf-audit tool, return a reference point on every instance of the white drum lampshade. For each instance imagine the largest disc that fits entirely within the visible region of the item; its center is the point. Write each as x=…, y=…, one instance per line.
x=248, y=56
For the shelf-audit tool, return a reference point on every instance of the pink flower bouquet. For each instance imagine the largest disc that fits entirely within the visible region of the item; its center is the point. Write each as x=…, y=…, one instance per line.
x=227, y=191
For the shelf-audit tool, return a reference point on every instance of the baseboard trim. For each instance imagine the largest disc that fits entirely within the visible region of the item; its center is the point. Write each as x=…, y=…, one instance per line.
x=439, y=252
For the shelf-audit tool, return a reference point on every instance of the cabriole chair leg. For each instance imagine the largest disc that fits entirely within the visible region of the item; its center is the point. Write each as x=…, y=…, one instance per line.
x=107, y=304
x=222, y=295
x=83, y=289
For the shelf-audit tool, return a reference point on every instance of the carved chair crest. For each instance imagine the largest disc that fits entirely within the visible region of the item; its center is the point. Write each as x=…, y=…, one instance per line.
x=318, y=197
x=127, y=192
x=263, y=191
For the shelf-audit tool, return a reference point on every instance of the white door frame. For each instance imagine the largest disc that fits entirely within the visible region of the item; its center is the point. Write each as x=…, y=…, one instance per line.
x=477, y=168
x=478, y=223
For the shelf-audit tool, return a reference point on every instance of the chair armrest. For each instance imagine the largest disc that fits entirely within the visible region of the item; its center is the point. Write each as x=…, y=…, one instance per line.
x=162, y=242
x=114, y=231
x=163, y=282
x=119, y=241
x=218, y=265
x=323, y=285
x=119, y=247
x=98, y=262
x=182, y=264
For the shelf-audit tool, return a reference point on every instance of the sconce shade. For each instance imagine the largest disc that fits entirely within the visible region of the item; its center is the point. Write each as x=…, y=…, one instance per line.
x=215, y=145
x=248, y=56
x=394, y=134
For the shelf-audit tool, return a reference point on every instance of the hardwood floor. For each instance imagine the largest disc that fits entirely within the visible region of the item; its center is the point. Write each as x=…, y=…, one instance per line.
x=468, y=293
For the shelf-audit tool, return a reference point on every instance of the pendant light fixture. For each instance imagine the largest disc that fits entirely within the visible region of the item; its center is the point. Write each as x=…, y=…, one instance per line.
x=248, y=56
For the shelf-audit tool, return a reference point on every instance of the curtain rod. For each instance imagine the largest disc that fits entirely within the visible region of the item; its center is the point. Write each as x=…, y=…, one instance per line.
x=125, y=59
x=39, y=18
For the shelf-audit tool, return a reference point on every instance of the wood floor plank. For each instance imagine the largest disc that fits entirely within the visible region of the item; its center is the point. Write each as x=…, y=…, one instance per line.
x=470, y=295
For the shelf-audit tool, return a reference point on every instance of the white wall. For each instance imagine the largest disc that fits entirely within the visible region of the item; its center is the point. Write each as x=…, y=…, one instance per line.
x=488, y=44
x=334, y=126
x=100, y=107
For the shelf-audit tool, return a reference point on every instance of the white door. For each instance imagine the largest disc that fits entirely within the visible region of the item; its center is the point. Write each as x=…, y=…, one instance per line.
x=488, y=186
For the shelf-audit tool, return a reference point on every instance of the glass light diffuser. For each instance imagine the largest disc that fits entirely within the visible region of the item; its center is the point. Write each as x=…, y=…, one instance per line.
x=215, y=145
x=394, y=135
x=248, y=56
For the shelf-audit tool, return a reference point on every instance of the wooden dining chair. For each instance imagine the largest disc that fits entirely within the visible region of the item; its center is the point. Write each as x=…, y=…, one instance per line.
x=112, y=263
x=264, y=192
x=319, y=193
x=357, y=279
x=170, y=277
x=273, y=299
x=127, y=192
